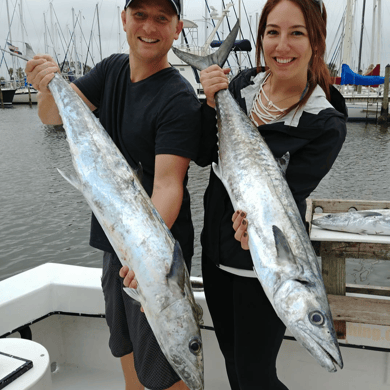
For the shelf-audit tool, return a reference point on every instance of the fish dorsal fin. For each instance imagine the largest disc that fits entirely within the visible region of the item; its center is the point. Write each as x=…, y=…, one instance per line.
x=283, y=162
x=282, y=247
x=177, y=271
x=72, y=179
x=366, y=214
x=219, y=57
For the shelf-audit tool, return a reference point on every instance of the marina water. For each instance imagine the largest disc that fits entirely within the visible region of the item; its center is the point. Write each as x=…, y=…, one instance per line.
x=44, y=219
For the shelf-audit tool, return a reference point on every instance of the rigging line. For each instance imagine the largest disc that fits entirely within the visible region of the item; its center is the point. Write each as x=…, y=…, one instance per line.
x=63, y=39
x=67, y=51
x=250, y=30
x=85, y=41
x=89, y=45
x=73, y=39
x=340, y=26
x=6, y=40
x=227, y=20
x=55, y=53
x=208, y=8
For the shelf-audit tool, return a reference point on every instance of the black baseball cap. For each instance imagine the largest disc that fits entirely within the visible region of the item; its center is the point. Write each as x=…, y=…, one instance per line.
x=175, y=5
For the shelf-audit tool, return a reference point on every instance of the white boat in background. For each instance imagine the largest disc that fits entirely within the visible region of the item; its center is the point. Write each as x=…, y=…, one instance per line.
x=22, y=96
x=8, y=95
x=53, y=315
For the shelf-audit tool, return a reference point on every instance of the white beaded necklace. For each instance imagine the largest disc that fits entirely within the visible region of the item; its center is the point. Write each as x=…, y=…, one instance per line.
x=267, y=113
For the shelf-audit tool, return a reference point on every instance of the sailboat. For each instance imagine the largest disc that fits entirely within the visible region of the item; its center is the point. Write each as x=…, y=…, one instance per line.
x=362, y=90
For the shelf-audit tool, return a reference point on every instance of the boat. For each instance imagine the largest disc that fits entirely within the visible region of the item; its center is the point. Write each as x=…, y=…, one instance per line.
x=53, y=316
x=8, y=95
x=23, y=95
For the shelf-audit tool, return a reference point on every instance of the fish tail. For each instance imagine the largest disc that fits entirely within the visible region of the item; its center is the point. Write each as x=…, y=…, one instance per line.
x=219, y=57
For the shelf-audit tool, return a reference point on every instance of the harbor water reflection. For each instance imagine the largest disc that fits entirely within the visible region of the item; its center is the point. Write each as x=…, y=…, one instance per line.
x=44, y=219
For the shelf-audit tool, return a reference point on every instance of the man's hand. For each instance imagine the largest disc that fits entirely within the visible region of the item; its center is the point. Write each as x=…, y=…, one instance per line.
x=129, y=279
x=40, y=71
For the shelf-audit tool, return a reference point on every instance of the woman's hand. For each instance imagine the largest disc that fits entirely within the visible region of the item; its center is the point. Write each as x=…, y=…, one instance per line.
x=240, y=225
x=40, y=71
x=213, y=79
x=129, y=279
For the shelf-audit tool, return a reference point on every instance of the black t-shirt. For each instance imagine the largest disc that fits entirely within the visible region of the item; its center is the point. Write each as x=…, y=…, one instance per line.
x=313, y=146
x=158, y=115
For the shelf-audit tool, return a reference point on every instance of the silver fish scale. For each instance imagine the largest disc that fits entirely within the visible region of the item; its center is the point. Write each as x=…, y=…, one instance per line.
x=255, y=165
x=136, y=231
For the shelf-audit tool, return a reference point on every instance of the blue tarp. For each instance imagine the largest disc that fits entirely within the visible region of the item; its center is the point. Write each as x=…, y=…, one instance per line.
x=349, y=77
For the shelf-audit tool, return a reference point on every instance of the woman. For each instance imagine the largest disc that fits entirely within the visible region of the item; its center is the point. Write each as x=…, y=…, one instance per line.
x=296, y=110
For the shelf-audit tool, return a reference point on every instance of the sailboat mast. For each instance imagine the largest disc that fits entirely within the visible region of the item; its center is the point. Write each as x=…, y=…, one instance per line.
x=348, y=34
x=10, y=35
x=100, y=39
x=379, y=33
x=361, y=35
x=373, y=32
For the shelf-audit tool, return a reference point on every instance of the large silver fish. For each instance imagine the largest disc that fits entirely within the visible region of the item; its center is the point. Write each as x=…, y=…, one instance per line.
x=283, y=257
x=360, y=222
x=136, y=231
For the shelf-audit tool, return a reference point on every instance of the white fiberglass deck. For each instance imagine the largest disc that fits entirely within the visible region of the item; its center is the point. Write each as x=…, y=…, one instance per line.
x=76, y=337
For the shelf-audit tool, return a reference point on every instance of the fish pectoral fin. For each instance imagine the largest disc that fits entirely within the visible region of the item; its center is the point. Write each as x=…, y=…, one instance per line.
x=133, y=293
x=366, y=214
x=283, y=249
x=139, y=172
x=283, y=162
x=72, y=179
x=217, y=170
x=178, y=268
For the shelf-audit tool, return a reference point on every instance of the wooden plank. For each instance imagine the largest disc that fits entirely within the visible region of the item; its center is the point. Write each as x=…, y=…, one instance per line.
x=360, y=310
x=340, y=328
x=343, y=205
x=333, y=269
x=356, y=250
x=368, y=290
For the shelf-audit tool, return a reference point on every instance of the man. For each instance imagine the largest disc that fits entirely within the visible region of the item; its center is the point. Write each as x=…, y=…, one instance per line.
x=153, y=116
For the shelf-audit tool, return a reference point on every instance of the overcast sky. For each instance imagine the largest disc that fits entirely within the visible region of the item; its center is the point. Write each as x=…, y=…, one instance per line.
x=113, y=38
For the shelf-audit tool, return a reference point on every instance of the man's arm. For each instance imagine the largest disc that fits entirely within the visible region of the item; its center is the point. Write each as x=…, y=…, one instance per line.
x=167, y=194
x=40, y=71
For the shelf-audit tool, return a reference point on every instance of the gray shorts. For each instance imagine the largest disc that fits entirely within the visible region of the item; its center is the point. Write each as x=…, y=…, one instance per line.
x=130, y=330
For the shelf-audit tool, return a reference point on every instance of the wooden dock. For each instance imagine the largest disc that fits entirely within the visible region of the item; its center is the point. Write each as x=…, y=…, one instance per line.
x=335, y=247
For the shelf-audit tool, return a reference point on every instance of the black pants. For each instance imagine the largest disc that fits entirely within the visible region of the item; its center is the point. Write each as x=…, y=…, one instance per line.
x=248, y=330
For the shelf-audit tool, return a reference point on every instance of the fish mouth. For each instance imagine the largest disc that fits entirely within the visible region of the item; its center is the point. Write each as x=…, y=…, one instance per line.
x=327, y=353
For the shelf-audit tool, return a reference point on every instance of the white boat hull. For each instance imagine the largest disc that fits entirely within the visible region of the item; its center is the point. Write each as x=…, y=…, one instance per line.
x=63, y=307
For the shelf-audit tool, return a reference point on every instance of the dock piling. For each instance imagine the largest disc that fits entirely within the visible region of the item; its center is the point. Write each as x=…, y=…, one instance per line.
x=385, y=103
x=29, y=96
x=1, y=98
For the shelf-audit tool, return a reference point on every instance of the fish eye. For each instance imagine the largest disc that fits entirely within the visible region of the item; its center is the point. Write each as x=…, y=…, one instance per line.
x=195, y=345
x=316, y=318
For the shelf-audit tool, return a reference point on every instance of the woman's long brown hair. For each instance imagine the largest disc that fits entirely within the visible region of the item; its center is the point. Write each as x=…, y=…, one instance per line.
x=318, y=73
